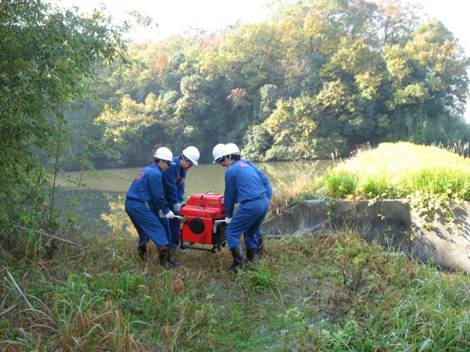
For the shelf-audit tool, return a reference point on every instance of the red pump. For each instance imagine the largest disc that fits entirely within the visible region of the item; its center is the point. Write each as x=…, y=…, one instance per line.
x=203, y=221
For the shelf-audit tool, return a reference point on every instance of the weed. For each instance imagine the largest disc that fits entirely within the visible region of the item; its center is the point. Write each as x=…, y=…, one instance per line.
x=259, y=278
x=398, y=170
x=340, y=184
x=308, y=294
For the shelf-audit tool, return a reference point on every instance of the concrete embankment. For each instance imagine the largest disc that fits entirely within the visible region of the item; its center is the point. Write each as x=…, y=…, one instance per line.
x=442, y=241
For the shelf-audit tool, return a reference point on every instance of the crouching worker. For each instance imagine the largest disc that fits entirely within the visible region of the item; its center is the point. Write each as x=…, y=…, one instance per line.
x=247, y=185
x=145, y=191
x=232, y=148
x=175, y=186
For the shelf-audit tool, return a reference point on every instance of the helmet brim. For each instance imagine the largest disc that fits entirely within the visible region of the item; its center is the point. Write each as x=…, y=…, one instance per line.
x=170, y=161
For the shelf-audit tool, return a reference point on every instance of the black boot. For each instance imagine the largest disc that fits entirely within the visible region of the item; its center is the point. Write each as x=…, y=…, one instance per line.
x=238, y=261
x=252, y=255
x=171, y=252
x=163, y=255
x=260, y=248
x=142, y=249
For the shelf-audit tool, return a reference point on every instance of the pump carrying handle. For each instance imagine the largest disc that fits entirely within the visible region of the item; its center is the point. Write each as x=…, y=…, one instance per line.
x=161, y=215
x=216, y=224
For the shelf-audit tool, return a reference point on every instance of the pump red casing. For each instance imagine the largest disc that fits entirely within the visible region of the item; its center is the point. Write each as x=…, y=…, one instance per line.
x=200, y=212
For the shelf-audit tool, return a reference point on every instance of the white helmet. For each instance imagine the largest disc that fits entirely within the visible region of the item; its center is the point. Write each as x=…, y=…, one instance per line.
x=191, y=153
x=163, y=153
x=232, y=148
x=219, y=151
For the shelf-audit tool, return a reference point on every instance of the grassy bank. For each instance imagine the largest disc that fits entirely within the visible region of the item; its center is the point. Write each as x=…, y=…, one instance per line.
x=398, y=170
x=325, y=294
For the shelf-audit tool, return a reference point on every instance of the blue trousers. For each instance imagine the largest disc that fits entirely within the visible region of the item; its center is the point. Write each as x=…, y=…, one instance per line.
x=247, y=220
x=258, y=236
x=166, y=226
x=146, y=223
x=172, y=229
x=174, y=239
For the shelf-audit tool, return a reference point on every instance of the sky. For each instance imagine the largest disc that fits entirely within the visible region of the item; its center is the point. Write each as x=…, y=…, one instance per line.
x=177, y=16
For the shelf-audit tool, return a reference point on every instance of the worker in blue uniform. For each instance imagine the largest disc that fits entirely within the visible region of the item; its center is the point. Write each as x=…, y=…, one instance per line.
x=145, y=191
x=232, y=148
x=175, y=178
x=247, y=185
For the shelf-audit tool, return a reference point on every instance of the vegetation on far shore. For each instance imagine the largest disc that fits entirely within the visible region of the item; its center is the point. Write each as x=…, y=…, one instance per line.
x=316, y=78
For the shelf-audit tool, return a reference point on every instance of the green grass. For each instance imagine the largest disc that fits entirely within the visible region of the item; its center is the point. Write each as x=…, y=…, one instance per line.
x=308, y=294
x=397, y=170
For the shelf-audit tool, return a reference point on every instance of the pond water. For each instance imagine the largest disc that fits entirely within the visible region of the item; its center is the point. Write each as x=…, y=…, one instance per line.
x=94, y=201
x=205, y=178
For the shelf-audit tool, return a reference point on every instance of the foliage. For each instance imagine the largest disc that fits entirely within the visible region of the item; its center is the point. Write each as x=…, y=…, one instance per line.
x=291, y=129
x=45, y=56
x=117, y=219
x=398, y=170
x=340, y=184
x=124, y=128
x=319, y=78
x=323, y=294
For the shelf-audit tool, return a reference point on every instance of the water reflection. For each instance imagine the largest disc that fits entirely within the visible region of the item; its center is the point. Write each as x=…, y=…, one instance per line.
x=283, y=175
x=97, y=204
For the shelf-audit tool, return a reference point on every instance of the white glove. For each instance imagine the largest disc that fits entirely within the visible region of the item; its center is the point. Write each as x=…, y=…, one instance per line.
x=160, y=214
x=177, y=207
x=170, y=215
x=228, y=220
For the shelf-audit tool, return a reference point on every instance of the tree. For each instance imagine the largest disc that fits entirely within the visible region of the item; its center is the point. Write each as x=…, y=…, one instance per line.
x=428, y=81
x=124, y=129
x=370, y=72
x=45, y=55
x=287, y=134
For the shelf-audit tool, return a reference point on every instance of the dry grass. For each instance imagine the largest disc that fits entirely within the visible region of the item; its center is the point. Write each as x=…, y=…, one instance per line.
x=333, y=293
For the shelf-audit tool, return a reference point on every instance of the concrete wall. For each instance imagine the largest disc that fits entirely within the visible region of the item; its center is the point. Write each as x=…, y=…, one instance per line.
x=390, y=222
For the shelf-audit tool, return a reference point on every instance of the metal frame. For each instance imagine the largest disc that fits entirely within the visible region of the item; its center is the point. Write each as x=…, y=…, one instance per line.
x=215, y=247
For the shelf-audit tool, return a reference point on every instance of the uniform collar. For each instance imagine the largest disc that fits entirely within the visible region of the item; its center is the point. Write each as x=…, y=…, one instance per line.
x=177, y=162
x=233, y=163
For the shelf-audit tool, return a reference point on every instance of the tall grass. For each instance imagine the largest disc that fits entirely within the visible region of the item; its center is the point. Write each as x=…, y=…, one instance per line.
x=294, y=184
x=309, y=294
x=460, y=147
x=399, y=169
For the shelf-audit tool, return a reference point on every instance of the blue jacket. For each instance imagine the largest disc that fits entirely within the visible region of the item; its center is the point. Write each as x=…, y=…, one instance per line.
x=174, y=179
x=148, y=187
x=264, y=178
x=243, y=182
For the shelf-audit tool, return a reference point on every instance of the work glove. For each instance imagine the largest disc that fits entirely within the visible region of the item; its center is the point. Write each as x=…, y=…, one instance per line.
x=228, y=220
x=177, y=207
x=170, y=215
